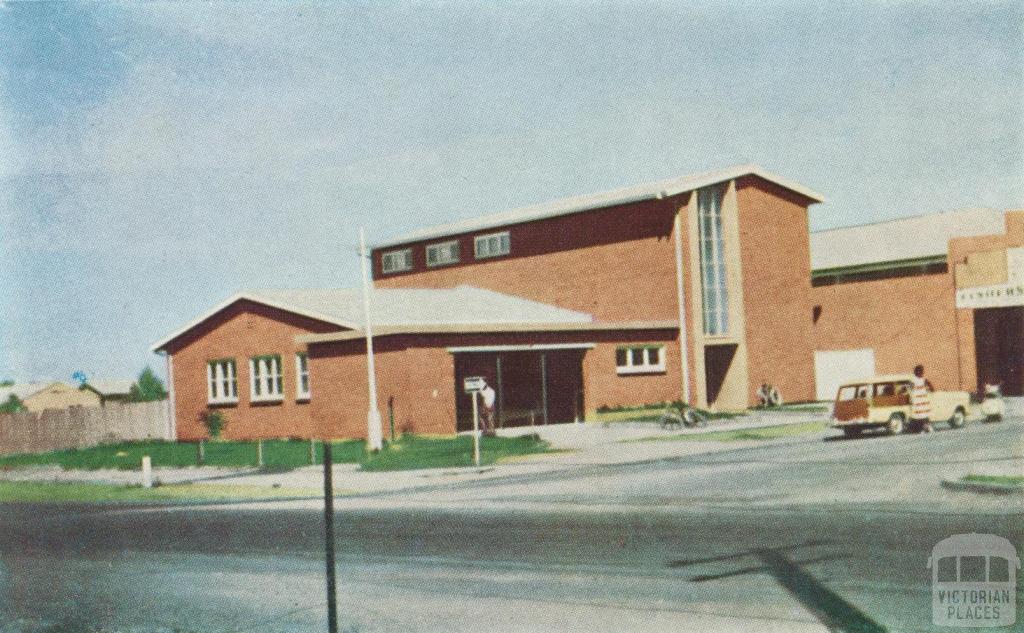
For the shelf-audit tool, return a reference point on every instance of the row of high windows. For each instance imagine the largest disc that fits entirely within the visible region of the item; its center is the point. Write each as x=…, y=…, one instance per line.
x=266, y=379
x=447, y=253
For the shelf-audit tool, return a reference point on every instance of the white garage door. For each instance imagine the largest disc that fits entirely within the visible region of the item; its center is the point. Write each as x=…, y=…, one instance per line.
x=832, y=368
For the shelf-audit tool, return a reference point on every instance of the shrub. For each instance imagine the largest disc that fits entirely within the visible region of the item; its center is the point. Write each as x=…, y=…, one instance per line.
x=214, y=421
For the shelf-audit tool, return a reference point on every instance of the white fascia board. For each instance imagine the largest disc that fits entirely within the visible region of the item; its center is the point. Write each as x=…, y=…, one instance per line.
x=159, y=345
x=520, y=348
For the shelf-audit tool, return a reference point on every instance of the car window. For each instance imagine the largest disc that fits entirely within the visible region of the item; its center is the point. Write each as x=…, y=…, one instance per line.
x=847, y=393
x=863, y=391
x=885, y=389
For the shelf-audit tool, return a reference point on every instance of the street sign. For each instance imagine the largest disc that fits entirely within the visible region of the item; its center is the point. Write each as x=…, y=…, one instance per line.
x=473, y=384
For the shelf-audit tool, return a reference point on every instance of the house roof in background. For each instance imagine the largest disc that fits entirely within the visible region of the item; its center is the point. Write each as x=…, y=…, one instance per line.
x=576, y=204
x=111, y=386
x=400, y=307
x=24, y=390
x=911, y=238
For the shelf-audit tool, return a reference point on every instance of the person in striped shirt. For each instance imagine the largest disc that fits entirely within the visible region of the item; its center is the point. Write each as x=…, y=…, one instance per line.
x=921, y=401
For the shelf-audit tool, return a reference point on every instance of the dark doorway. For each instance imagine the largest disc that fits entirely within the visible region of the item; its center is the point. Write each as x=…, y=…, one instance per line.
x=999, y=348
x=717, y=359
x=533, y=387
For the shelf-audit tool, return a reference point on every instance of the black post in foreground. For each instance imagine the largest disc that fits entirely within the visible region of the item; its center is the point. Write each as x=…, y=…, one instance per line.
x=332, y=600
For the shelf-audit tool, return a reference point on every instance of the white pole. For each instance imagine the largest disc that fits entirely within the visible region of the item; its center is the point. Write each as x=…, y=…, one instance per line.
x=147, y=472
x=476, y=431
x=374, y=432
x=684, y=351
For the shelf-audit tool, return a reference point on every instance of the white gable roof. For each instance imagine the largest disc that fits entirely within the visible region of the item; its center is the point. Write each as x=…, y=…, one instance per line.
x=23, y=390
x=400, y=307
x=904, y=238
x=626, y=195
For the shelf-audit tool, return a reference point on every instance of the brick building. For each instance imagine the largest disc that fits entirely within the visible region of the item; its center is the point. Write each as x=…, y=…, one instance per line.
x=944, y=290
x=695, y=288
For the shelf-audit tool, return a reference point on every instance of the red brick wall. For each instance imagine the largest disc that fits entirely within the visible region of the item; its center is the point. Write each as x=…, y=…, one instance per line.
x=906, y=320
x=616, y=263
x=242, y=330
x=417, y=374
x=775, y=257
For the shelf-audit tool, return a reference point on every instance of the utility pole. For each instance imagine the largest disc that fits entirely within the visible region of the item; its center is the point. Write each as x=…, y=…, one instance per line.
x=332, y=597
x=374, y=439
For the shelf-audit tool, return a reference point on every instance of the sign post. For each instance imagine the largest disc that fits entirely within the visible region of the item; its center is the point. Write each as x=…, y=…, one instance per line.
x=473, y=386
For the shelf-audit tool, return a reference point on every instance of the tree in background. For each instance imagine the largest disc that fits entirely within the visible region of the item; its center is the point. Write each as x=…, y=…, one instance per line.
x=13, y=405
x=6, y=383
x=147, y=388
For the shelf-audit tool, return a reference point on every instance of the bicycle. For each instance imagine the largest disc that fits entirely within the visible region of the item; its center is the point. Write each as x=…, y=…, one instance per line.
x=672, y=418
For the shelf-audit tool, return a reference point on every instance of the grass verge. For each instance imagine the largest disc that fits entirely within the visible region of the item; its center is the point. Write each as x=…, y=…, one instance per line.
x=277, y=455
x=1003, y=480
x=408, y=452
x=649, y=415
x=50, y=492
x=739, y=435
x=411, y=452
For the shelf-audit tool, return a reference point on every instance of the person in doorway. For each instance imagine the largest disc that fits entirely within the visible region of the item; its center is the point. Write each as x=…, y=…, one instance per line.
x=921, y=401
x=487, y=398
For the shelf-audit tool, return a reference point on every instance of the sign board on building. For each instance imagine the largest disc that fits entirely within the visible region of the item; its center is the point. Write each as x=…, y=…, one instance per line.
x=473, y=384
x=999, y=295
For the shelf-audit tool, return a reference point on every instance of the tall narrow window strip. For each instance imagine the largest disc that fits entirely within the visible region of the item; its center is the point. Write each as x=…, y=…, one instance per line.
x=302, y=376
x=714, y=286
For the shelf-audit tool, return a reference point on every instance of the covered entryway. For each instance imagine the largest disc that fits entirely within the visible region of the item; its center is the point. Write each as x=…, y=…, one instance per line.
x=535, y=385
x=999, y=348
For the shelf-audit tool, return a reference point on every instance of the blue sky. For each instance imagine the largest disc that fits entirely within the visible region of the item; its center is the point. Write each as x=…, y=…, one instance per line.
x=157, y=157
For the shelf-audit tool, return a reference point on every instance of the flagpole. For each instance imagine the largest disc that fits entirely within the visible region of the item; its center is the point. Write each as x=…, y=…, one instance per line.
x=374, y=434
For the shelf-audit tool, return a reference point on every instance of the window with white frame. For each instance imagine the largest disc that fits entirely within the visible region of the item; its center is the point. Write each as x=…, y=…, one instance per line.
x=493, y=245
x=301, y=376
x=396, y=261
x=714, y=289
x=221, y=381
x=443, y=253
x=265, y=379
x=646, y=359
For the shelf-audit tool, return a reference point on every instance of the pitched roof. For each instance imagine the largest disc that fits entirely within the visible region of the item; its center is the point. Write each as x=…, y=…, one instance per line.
x=396, y=307
x=23, y=390
x=915, y=237
x=566, y=206
x=111, y=386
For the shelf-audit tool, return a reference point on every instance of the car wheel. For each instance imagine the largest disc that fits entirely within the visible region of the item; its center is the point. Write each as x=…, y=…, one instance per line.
x=895, y=425
x=958, y=419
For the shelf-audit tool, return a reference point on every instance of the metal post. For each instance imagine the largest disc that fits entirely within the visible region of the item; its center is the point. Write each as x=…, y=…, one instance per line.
x=500, y=404
x=201, y=453
x=259, y=453
x=312, y=452
x=544, y=384
x=147, y=472
x=684, y=352
x=332, y=598
x=374, y=441
x=476, y=431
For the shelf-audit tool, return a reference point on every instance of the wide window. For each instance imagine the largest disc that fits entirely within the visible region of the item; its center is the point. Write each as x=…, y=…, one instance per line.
x=221, y=381
x=265, y=379
x=648, y=359
x=493, y=245
x=714, y=290
x=443, y=253
x=396, y=261
x=302, y=376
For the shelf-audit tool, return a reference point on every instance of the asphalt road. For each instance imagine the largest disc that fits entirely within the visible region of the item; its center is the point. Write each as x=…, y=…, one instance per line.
x=802, y=535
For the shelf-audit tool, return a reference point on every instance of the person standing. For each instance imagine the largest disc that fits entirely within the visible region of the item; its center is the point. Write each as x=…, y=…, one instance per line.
x=921, y=401
x=488, y=397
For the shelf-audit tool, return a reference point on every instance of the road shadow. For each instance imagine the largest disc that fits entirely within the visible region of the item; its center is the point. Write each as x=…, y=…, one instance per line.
x=826, y=605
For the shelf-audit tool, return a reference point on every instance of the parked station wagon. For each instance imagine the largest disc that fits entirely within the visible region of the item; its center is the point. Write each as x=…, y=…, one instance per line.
x=883, y=403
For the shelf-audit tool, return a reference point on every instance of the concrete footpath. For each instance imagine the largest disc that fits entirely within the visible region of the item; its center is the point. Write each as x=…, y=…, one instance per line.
x=578, y=445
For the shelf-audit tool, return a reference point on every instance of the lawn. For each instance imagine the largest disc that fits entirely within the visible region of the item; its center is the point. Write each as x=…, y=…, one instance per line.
x=277, y=454
x=406, y=453
x=648, y=414
x=410, y=452
x=1005, y=480
x=49, y=492
x=739, y=435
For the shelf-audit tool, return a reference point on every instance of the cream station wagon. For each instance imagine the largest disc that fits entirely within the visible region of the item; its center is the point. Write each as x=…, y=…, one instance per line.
x=883, y=402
